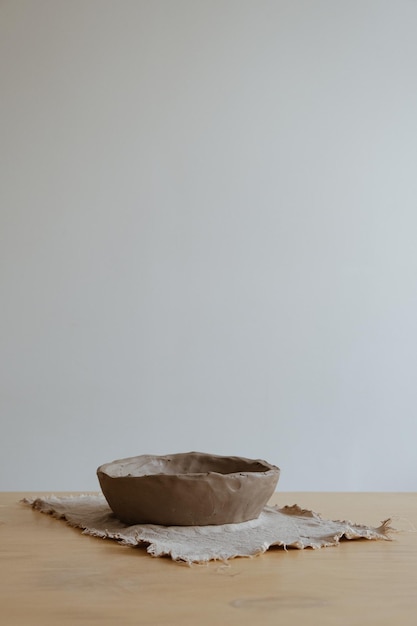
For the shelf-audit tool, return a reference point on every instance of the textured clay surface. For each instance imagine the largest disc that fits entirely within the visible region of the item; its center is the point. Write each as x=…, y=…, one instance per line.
x=190, y=489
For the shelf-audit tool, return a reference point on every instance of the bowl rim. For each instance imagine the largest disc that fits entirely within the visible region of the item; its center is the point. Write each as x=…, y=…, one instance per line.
x=268, y=467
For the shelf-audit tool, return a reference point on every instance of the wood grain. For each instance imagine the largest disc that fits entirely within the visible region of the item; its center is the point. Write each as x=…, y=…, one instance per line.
x=50, y=574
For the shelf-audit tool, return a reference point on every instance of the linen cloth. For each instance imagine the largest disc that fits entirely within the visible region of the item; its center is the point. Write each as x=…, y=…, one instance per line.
x=288, y=527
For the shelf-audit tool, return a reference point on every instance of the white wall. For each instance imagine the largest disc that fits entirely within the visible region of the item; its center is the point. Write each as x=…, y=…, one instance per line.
x=208, y=237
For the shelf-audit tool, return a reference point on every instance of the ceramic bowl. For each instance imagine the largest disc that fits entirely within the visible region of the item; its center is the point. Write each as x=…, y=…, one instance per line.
x=190, y=489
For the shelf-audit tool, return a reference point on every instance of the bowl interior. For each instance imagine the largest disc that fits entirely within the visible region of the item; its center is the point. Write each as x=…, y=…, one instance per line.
x=187, y=463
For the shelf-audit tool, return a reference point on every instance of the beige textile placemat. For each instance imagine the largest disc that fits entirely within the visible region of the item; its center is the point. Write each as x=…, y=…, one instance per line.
x=289, y=527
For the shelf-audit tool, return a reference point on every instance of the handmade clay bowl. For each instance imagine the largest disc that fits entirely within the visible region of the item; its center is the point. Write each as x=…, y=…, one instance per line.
x=191, y=489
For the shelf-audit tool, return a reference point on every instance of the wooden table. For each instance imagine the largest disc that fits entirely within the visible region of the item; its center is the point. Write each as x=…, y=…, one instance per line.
x=52, y=575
